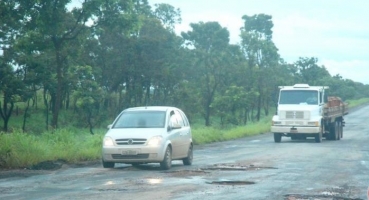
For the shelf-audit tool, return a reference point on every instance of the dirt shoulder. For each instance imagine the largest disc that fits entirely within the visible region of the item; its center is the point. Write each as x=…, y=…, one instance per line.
x=43, y=168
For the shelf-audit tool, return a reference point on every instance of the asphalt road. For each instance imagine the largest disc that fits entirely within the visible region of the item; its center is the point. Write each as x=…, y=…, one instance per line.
x=248, y=168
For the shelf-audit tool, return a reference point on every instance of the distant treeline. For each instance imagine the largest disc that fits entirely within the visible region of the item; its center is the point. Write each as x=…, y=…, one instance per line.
x=108, y=55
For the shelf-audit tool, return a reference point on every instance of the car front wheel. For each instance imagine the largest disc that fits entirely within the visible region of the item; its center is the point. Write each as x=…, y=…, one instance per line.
x=167, y=161
x=108, y=164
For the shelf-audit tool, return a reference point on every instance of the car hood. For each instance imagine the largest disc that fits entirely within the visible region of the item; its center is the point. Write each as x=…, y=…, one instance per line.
x=119, y=133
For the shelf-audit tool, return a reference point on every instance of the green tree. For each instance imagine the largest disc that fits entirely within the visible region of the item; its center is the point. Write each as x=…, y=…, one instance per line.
x=56, y=26
x=88, y=95
x=210, y=42
x=168, y=15
x=112, y=48
x=262, y=56
x=309, y=71
x=11, y=90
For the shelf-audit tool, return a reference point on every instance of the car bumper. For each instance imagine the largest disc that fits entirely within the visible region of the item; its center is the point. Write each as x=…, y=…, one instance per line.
x=295, y=130
x=133, y=154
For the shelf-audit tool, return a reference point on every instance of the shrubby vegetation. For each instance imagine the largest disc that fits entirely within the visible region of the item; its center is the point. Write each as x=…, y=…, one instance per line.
x=70, y=145
x=65, y=70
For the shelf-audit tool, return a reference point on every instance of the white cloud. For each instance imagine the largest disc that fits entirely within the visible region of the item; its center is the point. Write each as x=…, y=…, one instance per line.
x=356, y=70
x=335, y=32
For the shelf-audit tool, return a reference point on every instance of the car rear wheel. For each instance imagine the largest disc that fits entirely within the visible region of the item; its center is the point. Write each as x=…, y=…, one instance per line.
x=167, y=161
x=188, y=159
x=108, y=164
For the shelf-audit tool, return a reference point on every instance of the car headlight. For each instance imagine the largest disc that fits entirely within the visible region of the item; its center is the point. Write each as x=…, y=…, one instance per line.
x=155, y=141
x=108, y=141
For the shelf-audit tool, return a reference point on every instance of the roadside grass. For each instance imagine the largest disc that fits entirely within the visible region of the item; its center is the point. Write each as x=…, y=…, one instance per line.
x=357, y=102
x=206, y=135
x=73, y=145
x=20, y=150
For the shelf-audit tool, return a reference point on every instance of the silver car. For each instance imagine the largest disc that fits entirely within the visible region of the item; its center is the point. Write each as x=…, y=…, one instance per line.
x=153, y=134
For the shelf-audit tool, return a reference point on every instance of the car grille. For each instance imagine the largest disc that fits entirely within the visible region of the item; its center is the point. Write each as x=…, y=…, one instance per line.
x=130, y=141
x=138, y=156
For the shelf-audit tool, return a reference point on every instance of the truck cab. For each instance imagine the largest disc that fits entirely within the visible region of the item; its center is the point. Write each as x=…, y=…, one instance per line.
x=300, y=112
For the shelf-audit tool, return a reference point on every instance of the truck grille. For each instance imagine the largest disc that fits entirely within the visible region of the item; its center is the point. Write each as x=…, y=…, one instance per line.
x=294, y=114
x=294, y=123
x=130, y=141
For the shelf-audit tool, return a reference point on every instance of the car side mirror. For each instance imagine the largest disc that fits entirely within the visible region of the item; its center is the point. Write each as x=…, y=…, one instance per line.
x=176, y=126
x=173, y=126
x=109, y=126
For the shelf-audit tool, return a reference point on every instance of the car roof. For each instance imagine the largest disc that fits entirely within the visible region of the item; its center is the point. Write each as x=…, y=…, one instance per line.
x=151, y=108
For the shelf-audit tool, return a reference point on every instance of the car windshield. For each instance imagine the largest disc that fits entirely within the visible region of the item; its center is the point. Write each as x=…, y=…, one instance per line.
x=141, y=119
x=299, y=97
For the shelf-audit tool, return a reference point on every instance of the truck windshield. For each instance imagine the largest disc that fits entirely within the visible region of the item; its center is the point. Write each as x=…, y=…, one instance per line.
x=298, y=97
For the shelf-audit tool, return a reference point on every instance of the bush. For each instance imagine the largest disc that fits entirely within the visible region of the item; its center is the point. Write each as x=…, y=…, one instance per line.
x=25, y=150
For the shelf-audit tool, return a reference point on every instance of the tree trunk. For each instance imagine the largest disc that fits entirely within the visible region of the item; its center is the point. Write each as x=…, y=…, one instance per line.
x=245, y=116
x=207, y=116
x=6, y=113
x=46, y=110
x=58, y=95
x=258, y=111
x=147, y=96
x=89, y=122
x=25, y=116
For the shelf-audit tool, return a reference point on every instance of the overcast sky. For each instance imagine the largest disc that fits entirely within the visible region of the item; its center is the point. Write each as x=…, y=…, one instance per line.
x=334, y=31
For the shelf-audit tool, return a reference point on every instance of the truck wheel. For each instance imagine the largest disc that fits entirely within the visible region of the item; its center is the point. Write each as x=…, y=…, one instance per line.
x=333, y=131
x=338, y=128
x=341, y=131
x=318, y=137
x=277, y=137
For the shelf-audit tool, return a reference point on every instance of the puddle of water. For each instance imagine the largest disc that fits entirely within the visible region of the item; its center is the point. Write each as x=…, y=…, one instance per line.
x=185, y=173
x=154, y=181
x=236, y=167
x=232, y=182
x=109, y=183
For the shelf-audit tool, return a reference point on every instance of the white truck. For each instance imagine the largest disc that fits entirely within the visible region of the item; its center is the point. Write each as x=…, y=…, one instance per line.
x=304, y=111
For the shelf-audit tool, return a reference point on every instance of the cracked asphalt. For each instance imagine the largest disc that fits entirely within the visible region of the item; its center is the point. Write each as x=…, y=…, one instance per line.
x=248, y=168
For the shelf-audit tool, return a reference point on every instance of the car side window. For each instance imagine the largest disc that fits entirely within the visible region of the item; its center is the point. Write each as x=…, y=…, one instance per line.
x=179, y=118
x=185, y=120
x=172, y=118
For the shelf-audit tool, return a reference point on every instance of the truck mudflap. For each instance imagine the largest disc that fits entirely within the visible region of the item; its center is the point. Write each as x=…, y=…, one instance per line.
x=295, y=130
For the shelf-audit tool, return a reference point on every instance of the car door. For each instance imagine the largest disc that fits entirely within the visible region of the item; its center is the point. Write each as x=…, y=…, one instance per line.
x=184, y=134
x=187, y=129
x=174, y=134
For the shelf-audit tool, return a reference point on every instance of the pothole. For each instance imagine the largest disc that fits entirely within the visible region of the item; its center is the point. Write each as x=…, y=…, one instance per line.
x=237, y=167
x=231, y=182
x=319, y=197
x=112, y=190
x=183, y=173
